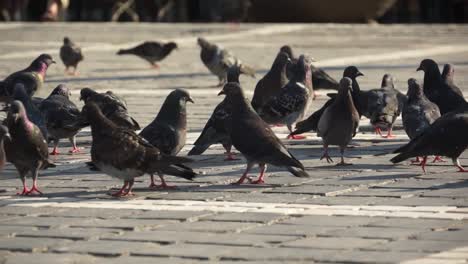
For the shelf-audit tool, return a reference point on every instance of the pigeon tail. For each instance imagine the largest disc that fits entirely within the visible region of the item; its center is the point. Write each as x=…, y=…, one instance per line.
x=247, y=70
x=198, y=149
x=298, y=172
x=124, y=51
x=401, y=157
x=180, y=171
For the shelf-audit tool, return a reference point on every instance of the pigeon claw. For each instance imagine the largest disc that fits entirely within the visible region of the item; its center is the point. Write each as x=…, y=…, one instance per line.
x=242, y=179
x=327, y=158
x=258, y=181
x=295, y=137
x=75, y=150
x=438, y=159
x=24, y=192
x=34, y=190
x=230, y=156
x=54, y=152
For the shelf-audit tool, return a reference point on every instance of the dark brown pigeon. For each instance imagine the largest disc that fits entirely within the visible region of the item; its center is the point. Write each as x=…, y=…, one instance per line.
x=112, y=106
x=448, y=74
x=151, y=51
x=418, y=112
x=168, y=131
x=4, y=135
x=272, y=83
x=32, y=111
x=219, y=60
x=71, y=55
x=445, y=137
x=32, y=78
x=255, y=139
x=311, y=123
x=320, y=79
x=216, y=129
x=439, y=91
x=339, y=122
x=290, y=105
x=62, y=117
x=121, y=153
x=27, y=149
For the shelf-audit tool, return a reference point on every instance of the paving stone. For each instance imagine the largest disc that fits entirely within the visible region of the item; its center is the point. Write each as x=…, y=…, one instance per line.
x=45, y=221
x=145, y=260
x=30, y=245
x=19, y=258
x=454, y=234
x=245, y=217
x=291, y=230
x=324, y=190
x=333, y=242
x=195, y=251
x=171, y=215
x=417, y=246
x=18, y=210
x=103, y=247
x=68, y=233
x=127, y=224
x=334, y=221
x=90, y=212
x=416, y=223
x=211, y=226
x=375, y=232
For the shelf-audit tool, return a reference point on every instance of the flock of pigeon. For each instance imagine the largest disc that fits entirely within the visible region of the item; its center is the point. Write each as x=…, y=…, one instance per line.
x=434, y=116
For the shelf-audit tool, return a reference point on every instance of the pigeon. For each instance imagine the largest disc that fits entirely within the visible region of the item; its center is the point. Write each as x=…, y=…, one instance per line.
x=27, y=149
x=311, y=123
x=217, y=127
x=255, y=139
x=384, y=105
x=447, y=75
x=151, y=51
x=168, y=131
x=218, y=60
x=71, y=55
x=62, y=117
x=112, y=106
x=32, y=111
x=439, y=91
x=121, y=153
x=445, y=137
x=418, y=112
x=32, y=78
x=290, y=105
x=4, y=135
x=339, y=122
x=270, y=85
x=320, y=79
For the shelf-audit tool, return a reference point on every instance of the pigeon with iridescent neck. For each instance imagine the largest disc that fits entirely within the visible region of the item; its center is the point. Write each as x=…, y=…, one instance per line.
x=71, y=55
x=32, y=78
x=168, y=131
x=448, y=74
x=27, y=149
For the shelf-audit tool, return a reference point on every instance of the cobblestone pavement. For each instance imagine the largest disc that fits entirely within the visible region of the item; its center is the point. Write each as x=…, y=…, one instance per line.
x=372, y=211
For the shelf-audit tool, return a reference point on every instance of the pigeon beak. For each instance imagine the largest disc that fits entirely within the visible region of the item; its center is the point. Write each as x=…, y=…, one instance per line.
x=221, y=93
x=15, y=117
x=419, y=68
x=7, y=135
x=53, y=62
x=190, y=100
x=359, y=73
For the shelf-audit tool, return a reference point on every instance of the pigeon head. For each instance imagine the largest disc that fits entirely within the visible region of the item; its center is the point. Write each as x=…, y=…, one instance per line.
x=352, y=72
x=388, y=81
x=346, y=84
x=299, y=69
x=414, y=89
x=85, y=93
x=171, y=45
x=19, y=93
x=4, y=132
x=428, y=66
x=203, y=43
x=16, y=111
x=180, y=95
x=43, y=59
x=448, y=71
x=66, y=41
x=281, y=60
x=61, y=89
x=288, y=50
x=232, y=89
x=233, y=73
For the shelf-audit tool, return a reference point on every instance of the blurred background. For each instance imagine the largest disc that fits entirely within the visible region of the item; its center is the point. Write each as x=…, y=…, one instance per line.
x=340, y=11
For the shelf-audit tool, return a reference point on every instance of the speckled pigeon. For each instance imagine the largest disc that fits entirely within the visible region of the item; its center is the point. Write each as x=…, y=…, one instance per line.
x=272, y=83
x=339, y=122
x=121, y=153
x=62, y=117
x=290, y=105
x=219, y=60
x=32, y=78
x=168, y=131
x=439, y=91
x=445, y=137
x=33, y=112
x=448, y=74
x=71, y=55
x=4, y=135
x=255, y=139
x=151, y=51
x=27, y=149
x=112, y=106
x=217, y=127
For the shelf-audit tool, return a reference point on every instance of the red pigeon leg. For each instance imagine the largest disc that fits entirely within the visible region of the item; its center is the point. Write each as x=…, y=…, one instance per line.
x=389, y=134
x=293, y=136
x=25, y=188
x=245, y=175
x=152, y=184
x=74, y=149
x=55, y=151
x=121, y=192
x=438, y=159
x=416, y=161
x=457, y=164
x=129, y=192
x=261, y=178
x=154, y=65
x=325, y=154
x=342, y=162
x=34, y=188
x=229, y=154
x=423, y=164
x=378, y=131
x=164, y=185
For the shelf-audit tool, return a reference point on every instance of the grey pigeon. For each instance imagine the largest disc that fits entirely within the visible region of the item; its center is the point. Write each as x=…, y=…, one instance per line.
x=62, y=117
x=445, y=137
x=112, y=106
x=4, y=135
x=219, y=60
x=255, y=139
x=71, y=55
x=151, y=51
x=384, y=105
x=418, y=112
x=32, y=78
x=359, y=99
x=270, y=85
x=339, y=122
x=121, y=153
x=27, y=149
x=168, y=131
x=217, y=127
x=439, y=91
x=290, y=105
x=320, y=79
x=448, y=73
x=33, y=112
